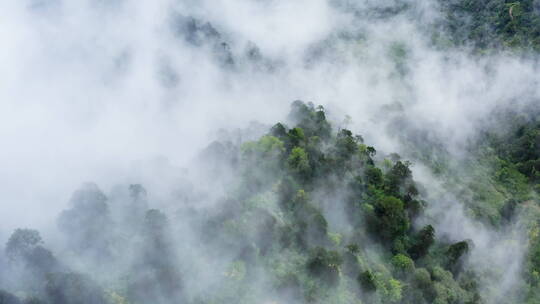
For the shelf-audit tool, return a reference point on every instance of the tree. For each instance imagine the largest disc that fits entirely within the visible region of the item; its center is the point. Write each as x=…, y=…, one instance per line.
x=324, y=264
x=298, y=164
x=155, y=277
x=346, y=144
x=21, y=243
x=398, y=180
x=69, y=288
x=373, y=176
x=402, y=263
x=367, y=281
x=392, y=221
x=455, y=253
x=25, y=247
x=87, y=224
x=262, y=161
x=279, y=130
x=311, y=119
x=423, y=240
x=295, y=138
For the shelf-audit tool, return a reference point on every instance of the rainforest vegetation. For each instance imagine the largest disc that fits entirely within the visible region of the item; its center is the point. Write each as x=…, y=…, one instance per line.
x=493, y=25
x=308, y=211
x=273, y=221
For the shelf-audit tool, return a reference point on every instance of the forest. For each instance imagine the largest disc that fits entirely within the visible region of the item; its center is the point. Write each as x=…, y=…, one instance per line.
x=310, y=207
x=273, y=222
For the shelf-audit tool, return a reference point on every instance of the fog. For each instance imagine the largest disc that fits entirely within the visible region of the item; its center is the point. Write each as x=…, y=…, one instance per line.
x=125, y=92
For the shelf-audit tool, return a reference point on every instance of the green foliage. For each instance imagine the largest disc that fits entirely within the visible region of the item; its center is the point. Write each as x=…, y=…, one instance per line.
x=346, y=145
x=324, y=264
x=267, y=146
x=492, y=24
x=310, y=208
x=422, y=241
x=496, y=187
x=374, y=176
x=422, y=279
x=311, y=119
x=298, y=163
x=520, y=150
x=295, y=137
x=394, y=291
x=446, y=290
x=336, y=238
x=367, y=281
x=455, y=251
x=391, y=219
x=262, y=162
x=398, y=181
x=402, y=263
